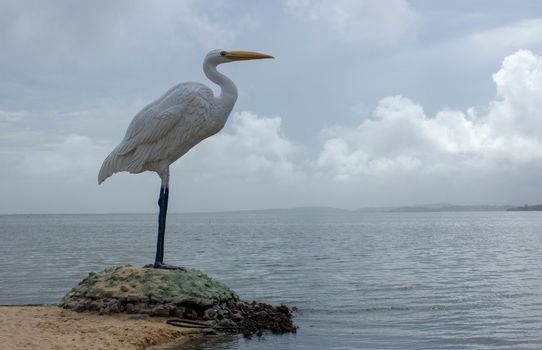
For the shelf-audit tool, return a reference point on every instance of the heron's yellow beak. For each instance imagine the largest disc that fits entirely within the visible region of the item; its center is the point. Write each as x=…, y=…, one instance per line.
x=245, y=55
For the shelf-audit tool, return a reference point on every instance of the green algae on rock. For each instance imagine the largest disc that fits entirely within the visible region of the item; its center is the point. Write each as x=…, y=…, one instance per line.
x=133, y=284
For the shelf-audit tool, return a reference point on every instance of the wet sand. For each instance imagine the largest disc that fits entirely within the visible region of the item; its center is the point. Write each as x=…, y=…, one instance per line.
x=50, y=327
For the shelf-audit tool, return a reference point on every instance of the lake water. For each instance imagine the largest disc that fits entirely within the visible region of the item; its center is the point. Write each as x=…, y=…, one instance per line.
x=360, y=280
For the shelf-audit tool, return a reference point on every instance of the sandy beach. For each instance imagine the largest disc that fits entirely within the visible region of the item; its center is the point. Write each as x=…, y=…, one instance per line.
x=50, y=327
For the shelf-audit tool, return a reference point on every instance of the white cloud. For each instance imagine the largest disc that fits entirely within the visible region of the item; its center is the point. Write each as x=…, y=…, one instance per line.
x=255, y=146
x=357, y=20
x=517, y=108
x=399, y=138
x=23, y=132
x=75, y=156
x=517, y=35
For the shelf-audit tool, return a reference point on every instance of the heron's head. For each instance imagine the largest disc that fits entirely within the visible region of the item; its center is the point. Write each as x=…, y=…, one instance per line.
x=223, y=56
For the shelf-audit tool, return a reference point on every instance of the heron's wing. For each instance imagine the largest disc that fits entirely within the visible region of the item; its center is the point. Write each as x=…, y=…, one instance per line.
x=151, y=126
x=159, y=118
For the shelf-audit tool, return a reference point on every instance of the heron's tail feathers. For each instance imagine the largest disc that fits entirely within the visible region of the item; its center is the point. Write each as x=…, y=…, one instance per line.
x=124, y=158
x=112, y=164
x=108, y=167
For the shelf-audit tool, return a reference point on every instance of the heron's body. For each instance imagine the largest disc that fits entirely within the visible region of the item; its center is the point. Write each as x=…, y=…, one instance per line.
x=167, y=128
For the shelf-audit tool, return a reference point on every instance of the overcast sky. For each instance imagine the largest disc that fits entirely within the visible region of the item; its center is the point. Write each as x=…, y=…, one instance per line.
x=368, y=103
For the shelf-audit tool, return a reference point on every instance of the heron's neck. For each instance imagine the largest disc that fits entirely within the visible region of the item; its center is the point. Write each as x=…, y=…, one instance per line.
x=228, y=93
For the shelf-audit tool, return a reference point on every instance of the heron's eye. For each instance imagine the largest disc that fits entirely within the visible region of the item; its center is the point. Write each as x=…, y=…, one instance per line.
x=222, y=53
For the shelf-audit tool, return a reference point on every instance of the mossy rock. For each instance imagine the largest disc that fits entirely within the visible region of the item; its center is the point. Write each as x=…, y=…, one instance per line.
x=132, y=283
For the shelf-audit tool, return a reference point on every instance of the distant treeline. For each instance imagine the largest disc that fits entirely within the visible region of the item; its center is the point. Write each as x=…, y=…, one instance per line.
x=527, y=208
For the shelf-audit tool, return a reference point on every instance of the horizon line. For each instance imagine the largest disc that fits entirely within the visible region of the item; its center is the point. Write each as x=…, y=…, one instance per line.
x=383, y=208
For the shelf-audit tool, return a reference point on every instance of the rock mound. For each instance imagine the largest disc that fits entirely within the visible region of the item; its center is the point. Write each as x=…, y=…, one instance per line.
x=139, y=284
x=189, y=294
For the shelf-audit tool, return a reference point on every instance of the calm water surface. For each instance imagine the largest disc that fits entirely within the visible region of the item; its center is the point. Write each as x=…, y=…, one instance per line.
x=360, y=281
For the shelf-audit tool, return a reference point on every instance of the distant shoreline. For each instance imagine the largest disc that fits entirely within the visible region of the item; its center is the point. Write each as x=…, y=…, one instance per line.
x=427, y=208
x=527, y=208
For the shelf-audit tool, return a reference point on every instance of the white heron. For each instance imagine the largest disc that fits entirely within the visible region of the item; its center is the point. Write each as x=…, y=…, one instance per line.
x=169, y=127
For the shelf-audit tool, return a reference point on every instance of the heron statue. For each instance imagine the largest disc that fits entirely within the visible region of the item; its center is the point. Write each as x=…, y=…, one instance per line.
x=167, y=128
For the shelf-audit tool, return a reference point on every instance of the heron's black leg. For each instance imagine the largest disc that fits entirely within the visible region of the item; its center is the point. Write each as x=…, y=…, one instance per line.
x=162, y=203
x=164, y=215
x=161, y=230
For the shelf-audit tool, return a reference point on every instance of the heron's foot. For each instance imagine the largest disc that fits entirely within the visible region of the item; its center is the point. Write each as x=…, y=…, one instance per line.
x=158, y=265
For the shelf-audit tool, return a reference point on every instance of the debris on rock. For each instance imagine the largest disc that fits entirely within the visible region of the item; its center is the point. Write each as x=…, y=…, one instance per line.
x=253, y=317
